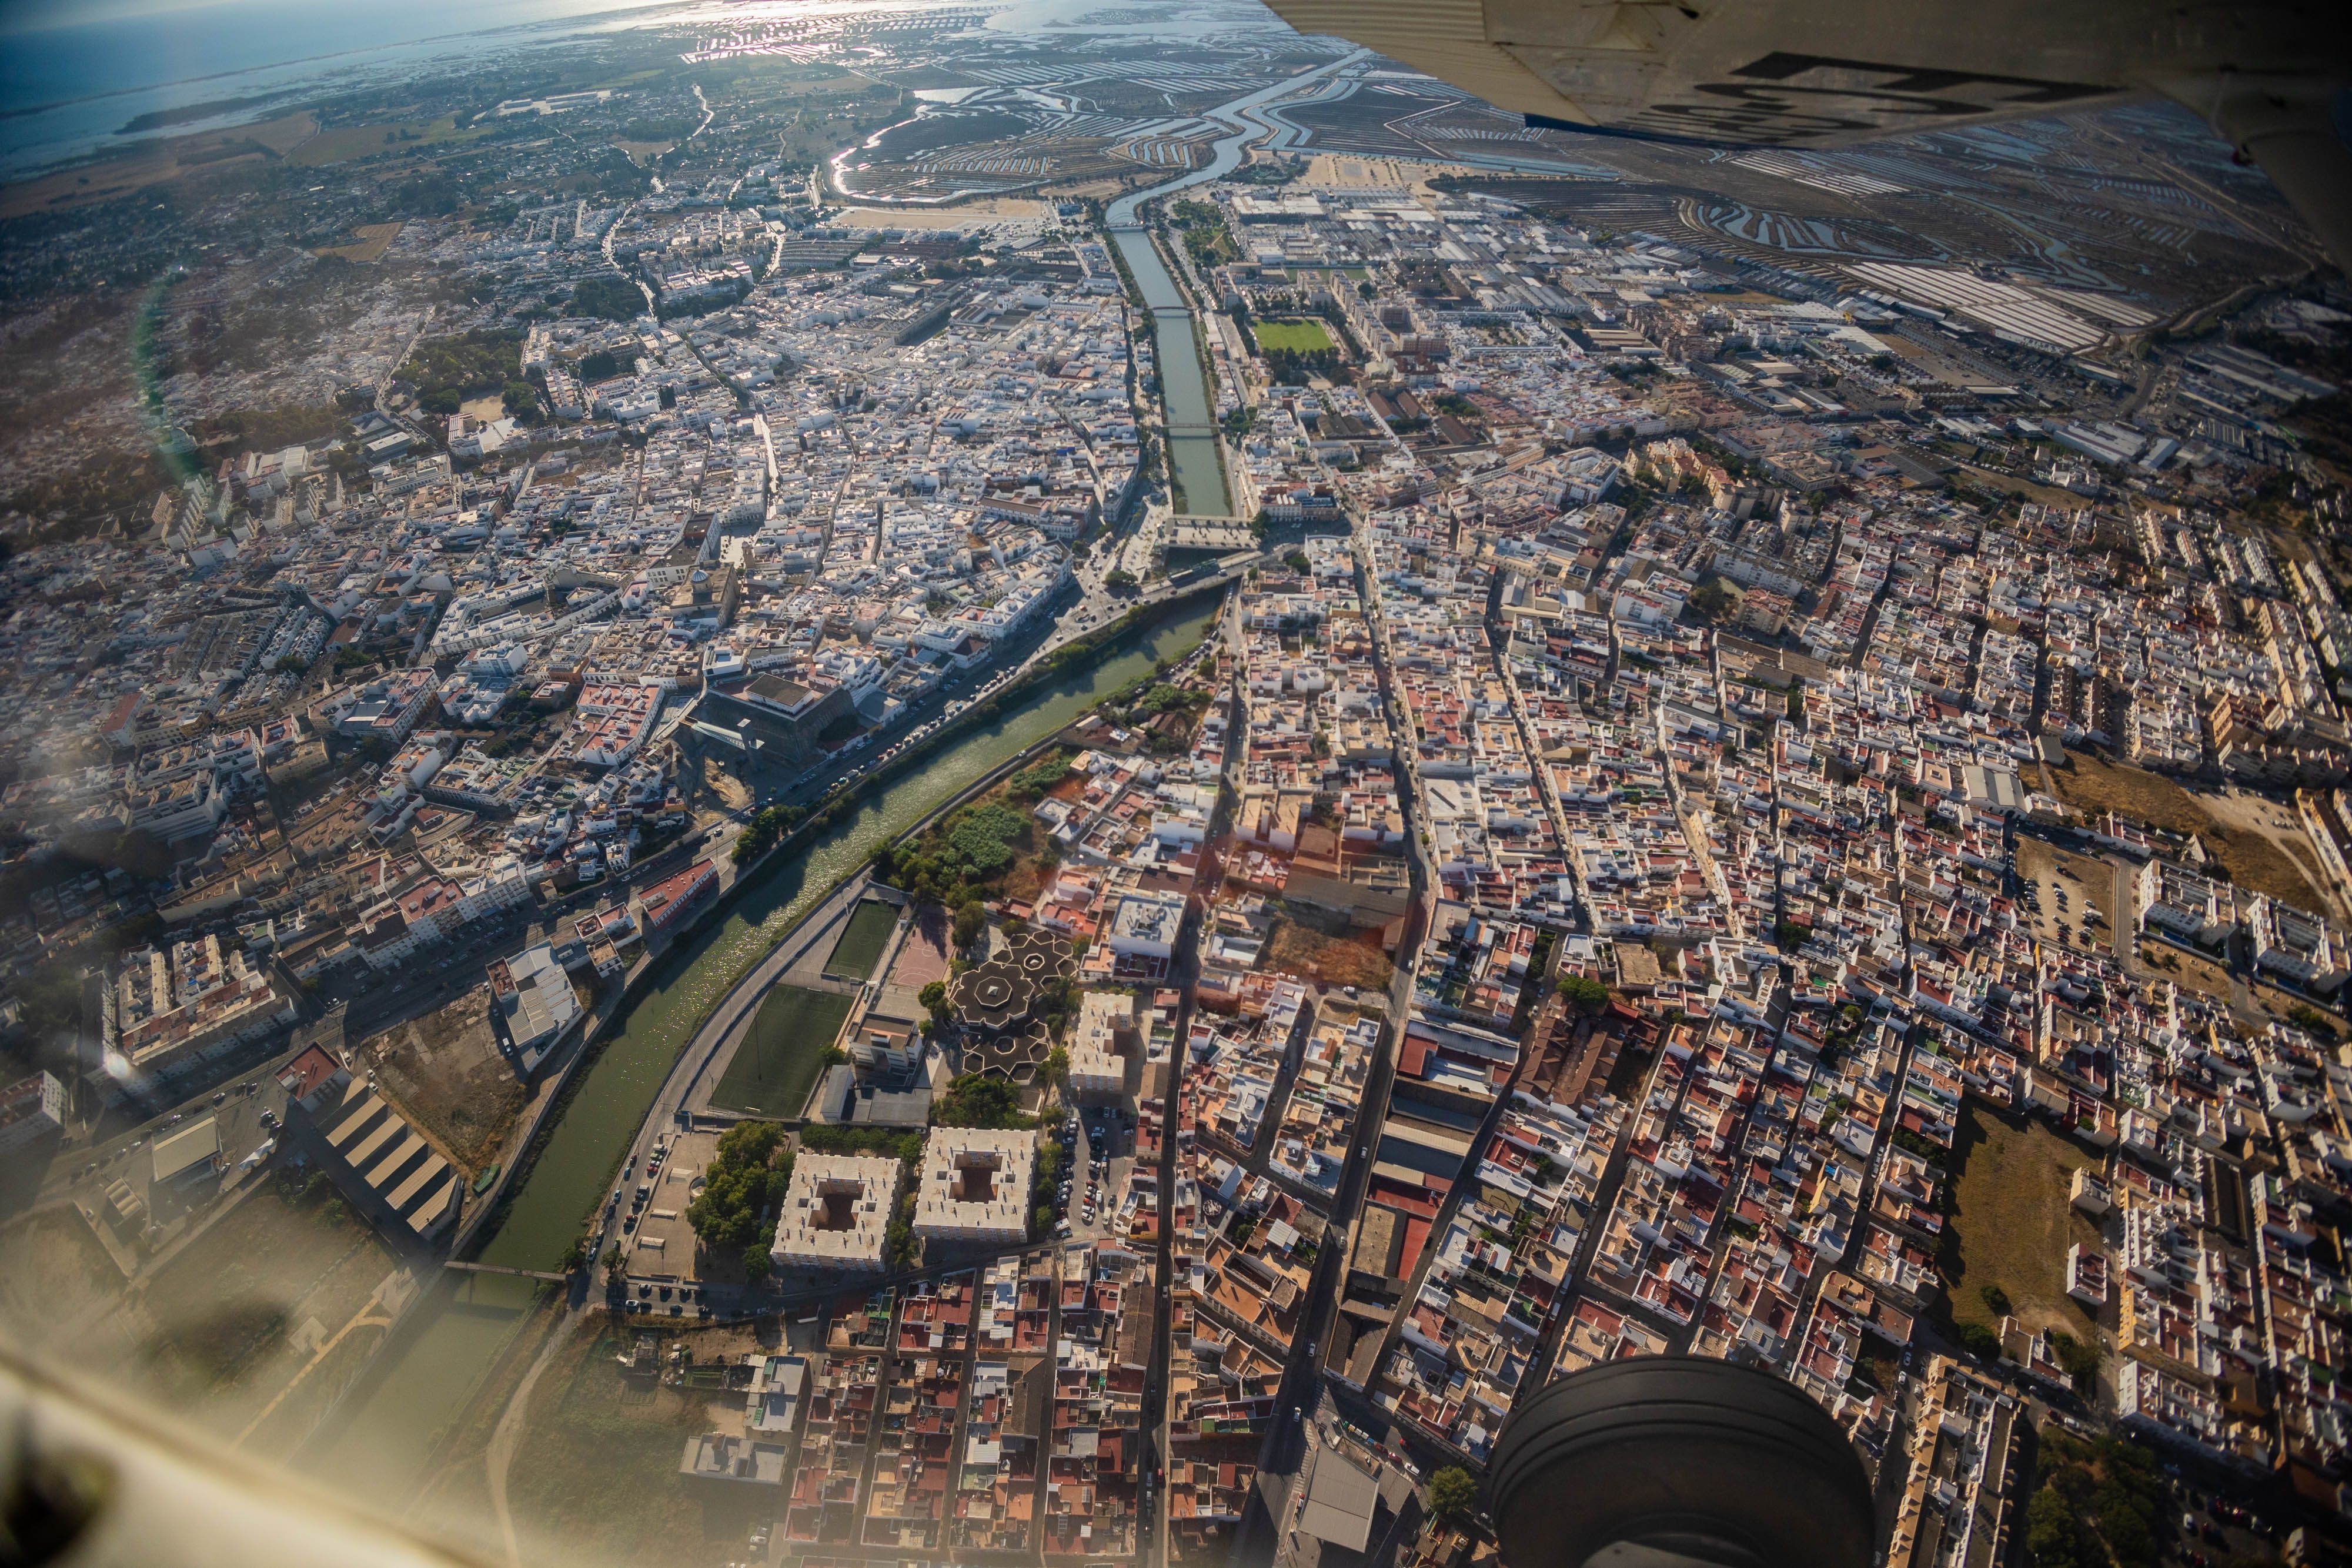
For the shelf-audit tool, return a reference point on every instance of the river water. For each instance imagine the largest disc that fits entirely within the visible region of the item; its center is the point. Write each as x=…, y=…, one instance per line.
x=1183, y=385
x=382, y=1450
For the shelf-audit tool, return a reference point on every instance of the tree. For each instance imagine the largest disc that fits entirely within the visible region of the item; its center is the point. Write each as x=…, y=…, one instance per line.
x=934, y=997
x=1057, y=1066
x=2310, y=1020
x=974, y=1101
x=2080, y=1360
x=2050, y=1533
x=612, y=298
x=1451, y=1493
x=738, y=1186
x=1978, y=1340
x=756, y=1264
x=1118, y=579
x=1996, y=1301
x=1585, y=993
x=969, y=916
x=1711, y=599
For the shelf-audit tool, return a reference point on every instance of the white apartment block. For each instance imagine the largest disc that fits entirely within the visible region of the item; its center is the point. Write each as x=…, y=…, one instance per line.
x=1098, y=1071
x=836, y=1212
x=975, y=1185
x=29, y=1108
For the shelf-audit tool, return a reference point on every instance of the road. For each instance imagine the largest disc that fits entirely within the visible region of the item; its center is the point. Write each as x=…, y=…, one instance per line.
x=610, y=230
x=1284, y=1447
x=391, y=371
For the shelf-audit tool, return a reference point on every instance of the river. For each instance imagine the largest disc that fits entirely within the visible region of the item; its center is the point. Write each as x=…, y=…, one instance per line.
x=382, y=1449
x=1192, y=457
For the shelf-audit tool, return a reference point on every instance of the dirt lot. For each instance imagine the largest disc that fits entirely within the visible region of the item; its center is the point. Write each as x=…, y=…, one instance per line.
x=288, y=1277
x=2242, y=814
x=373, y=241
x=1010, y=208
x=2263, y=859
x=2187, y=970
x=445, y=1071
x=2011, y=1223
x=595, y=1473
x=1334, y=960
x=58, y=1279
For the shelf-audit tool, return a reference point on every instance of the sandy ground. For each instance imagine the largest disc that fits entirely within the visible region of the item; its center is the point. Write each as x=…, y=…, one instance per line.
x=373, y=241
x=154, y=163
x=970, y=215
x=2276, y=822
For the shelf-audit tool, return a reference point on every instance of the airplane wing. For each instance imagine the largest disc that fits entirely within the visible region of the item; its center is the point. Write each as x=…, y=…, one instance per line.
x=2271, y=78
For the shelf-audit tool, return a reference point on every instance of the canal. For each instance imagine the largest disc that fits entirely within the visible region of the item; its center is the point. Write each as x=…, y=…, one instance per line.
x=406, y=1406
x=1193, y=455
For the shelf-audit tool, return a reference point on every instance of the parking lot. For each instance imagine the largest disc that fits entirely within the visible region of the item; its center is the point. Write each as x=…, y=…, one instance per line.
x=2065, y=898
x=647, y=1214
x=1098, y=1152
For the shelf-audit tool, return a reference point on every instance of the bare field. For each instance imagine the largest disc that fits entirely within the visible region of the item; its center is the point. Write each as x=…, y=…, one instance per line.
x=2011, y=1223
x=152, y=165
x=373, y=241
x=1335, y=960
x=59, y=1276
x=446, y=1072
x=344, y=142
x=280, y=1288
x=2187, y=970
x=2252, y=857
